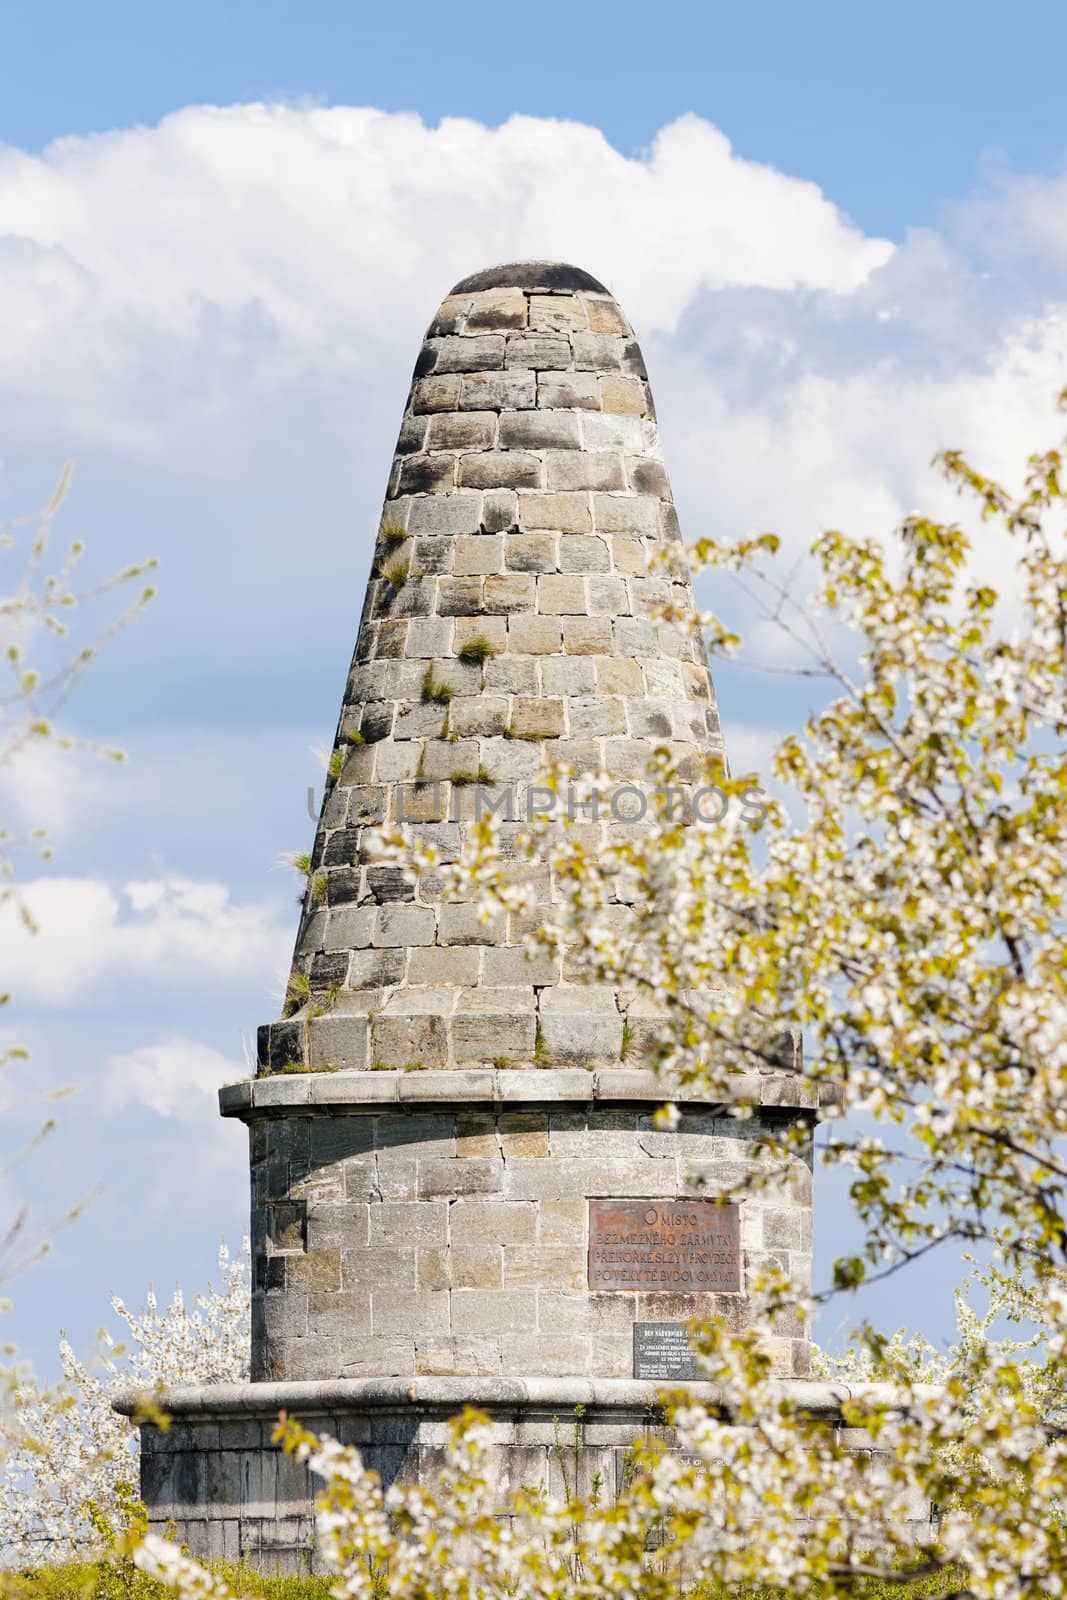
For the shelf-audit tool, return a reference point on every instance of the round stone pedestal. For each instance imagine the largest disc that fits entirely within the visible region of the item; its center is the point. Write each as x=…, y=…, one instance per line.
x=231, y=1494
x=489, y=1223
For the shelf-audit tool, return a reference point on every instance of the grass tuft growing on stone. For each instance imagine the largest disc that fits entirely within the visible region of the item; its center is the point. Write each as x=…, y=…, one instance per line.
x=320, y=887
x=541, y=1057
x=434, y=692
x=355, y=738
x=627, y=1041
x=335, y=765
x=396, y=574
x=297, y=990
x=476, y=652
x=393, y=536
x=463, y=777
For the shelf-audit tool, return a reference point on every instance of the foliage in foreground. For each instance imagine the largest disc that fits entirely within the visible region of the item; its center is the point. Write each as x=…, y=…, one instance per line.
x=69, y=1457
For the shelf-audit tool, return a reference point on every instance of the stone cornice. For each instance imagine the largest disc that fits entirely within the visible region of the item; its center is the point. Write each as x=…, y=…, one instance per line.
x=349, y=1091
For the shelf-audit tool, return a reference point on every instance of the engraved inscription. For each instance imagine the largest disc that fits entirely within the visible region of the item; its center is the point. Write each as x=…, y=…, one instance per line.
x=662, y=1350
x=689, y=1246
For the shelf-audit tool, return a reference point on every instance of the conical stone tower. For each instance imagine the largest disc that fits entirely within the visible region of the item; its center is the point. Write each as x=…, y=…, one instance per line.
x=442, y=1125
x=459, y=1193
x=508, y=625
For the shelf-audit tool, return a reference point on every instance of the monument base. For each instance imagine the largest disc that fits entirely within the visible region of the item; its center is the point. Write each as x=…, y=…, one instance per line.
x=217, y=1479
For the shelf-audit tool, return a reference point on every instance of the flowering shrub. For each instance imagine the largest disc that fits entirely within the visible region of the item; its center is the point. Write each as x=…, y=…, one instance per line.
x=69, y=1459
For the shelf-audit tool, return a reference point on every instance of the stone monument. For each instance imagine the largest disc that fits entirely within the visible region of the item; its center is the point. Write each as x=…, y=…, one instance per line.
x=459, y=1194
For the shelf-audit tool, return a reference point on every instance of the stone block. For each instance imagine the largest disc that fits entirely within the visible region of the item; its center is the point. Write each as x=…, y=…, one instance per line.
x=530, y=552
x=596, y=352
x=605, y=430
x=436, y=394
x=451, y=316
x=477, y=554
x=459, y=1175
x=404, y=1041
x=513, y=390
x=476, y=1134
x=627, y=395
x=558, y=312
x=410, y=1312
x=478, y=715
x=568, y=390
x=563, y=513
x=523, y=1133
x=628, y=555
x=595, y=716
x=493, y=1036
x=604, y=315
x=500, y=511
x=629, y=513
x=427, y=474
x=468, y=629
x=536, y=717
x=304, y=1273
x=428, y=637
x=496, y=309
x=544, y=1266
x=477, y=1265
x=562, y=676
x=412, y=436
x=462, y=354
x=502, y=1222
x=338, y=1312
x=456, y=513
x=618, y=677
x=539, y=430
x=458, y=966
x=405, y=925
x=587, y=636
x=380, y=1358
x=513, y=591
x=583, y=553
x=338, y=1041
x=534, y=635
x=459, y=597
x=574, y=469
x=562, y=594
x=500, y=469
x=461, y=430
x=562, y=1220
x=537, y=350
x=646, y=477
x=608, y=596
x=513, y=966
x=482, y=1312
x=461, y=924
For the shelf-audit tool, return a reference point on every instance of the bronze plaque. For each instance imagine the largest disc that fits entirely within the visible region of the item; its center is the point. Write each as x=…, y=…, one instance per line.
x=686, y=1246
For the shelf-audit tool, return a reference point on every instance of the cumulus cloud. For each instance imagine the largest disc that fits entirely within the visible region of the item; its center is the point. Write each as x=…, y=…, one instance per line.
x=99, y=944
x=175, y=1077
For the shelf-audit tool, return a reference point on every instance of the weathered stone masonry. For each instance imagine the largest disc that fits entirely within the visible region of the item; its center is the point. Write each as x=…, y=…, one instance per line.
x=429, y=1238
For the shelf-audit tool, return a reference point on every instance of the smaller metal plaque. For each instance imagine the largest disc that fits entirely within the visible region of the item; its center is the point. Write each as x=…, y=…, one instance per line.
x=662, y=1350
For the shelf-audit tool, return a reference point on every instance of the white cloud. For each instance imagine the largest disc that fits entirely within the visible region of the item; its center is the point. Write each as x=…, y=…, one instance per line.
x=161, y=269
x=102, y=944
x=174, y=1078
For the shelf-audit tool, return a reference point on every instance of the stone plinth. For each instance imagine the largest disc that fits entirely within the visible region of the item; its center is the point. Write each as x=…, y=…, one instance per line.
x=439, y=1223
x=233, y=1495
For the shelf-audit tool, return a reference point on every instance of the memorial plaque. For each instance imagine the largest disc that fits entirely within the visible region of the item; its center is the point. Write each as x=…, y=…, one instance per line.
x=662, y=1350
x=686, y=1246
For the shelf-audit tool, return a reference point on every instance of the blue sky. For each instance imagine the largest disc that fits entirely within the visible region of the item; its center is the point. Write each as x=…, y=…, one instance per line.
x=842, y=239
x=891, y=109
